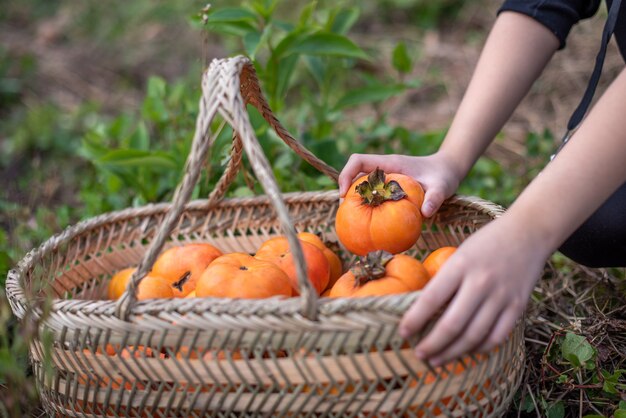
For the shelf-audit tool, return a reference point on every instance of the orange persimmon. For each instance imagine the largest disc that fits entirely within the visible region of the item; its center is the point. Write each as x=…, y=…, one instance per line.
x=182, y=266
x=435, y=260
x=276, y=250
x=381, y=273
x=150, y=287
x=239, y=275
x=336, y=267
x=380, y=212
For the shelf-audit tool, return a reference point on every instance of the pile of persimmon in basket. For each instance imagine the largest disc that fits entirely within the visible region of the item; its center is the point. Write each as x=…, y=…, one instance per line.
x=378, y=219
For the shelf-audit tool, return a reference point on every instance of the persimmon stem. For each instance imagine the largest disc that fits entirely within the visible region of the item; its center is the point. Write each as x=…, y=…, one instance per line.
x=181, y=282
x=370, y=267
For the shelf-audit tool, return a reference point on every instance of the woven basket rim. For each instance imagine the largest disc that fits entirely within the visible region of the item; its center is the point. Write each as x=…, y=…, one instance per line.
x=393, y=304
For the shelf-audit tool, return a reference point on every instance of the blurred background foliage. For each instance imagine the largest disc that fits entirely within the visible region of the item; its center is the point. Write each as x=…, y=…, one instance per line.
x=98, y=103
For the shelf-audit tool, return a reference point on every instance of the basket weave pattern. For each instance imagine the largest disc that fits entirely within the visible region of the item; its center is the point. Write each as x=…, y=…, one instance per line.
x=228, y=358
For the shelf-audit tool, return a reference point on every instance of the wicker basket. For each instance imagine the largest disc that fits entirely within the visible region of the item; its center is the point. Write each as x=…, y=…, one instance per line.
x=292, y=357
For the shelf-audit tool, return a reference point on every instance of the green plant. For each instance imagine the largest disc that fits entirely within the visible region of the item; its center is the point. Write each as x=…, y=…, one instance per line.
x=571, y=363
x=424, y=13
x=325, y=71
x=139, y=157
x=15, y=71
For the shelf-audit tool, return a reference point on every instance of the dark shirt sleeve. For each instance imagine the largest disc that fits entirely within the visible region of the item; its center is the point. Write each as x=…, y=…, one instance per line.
x=557, y=15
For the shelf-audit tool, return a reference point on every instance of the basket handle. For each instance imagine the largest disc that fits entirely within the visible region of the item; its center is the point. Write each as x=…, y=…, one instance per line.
x=227, y=86
x=250, y=89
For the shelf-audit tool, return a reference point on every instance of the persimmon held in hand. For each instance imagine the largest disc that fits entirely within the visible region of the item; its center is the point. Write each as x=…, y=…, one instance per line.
x=435, y=260
x=380, y=212
x=239, y=275
x=276, y=250
x=381, y=273
x=182, y=266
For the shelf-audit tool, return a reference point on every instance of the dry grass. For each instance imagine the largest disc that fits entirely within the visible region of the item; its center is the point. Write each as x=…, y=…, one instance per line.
x=588, y=302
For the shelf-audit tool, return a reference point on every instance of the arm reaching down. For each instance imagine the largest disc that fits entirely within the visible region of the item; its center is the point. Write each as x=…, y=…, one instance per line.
x=517, y=50
x=489, y=279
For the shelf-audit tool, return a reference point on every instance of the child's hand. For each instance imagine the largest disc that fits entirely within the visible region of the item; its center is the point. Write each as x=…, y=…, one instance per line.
x=435, y=173
x=488, y=281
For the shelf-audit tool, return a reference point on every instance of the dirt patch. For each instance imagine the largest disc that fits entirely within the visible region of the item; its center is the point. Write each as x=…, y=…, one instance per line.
x=72, y=69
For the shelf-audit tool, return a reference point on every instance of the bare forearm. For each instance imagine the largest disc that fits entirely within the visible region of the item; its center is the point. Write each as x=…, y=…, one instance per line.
x=516, y=51
x=584, y=174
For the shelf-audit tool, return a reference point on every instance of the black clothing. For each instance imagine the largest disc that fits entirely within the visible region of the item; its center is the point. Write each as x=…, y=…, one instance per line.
x=560, y=15
x=601, y=240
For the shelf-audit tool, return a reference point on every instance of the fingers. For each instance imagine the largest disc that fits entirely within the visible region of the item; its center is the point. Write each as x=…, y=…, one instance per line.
x=452, y=326
x=473, y=335
x=433, y=198
x=361, y=163
x=502, y=329
x=435, y=295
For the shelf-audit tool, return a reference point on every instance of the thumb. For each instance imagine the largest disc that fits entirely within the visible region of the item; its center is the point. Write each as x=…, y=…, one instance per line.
x=433, y=199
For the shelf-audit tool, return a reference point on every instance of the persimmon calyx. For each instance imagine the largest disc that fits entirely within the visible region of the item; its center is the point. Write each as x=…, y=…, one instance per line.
x=370, y=267
x=374, y=191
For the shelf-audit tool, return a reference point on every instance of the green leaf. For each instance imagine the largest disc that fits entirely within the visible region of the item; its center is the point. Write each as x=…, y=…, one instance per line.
x=344, y=20
x=288, y=42
x=401, y=60
x=243, y=191
x=326, y=150
x=611, y=380
x=331, y=44
x=562, y=379
x=286, y=68
x=594, y=416
x=620, y=413
x=369, y=94
x=232, y=28
x=234, y=14
x=556, y=410
x=140, y=139
x=622, y=405
x=130, y=157
x=251, y=41
x=5, y=265
x=156, y=87
x=284, y=25
x=154, y=109
x=307, y=12
x=283, y=161
x=577, y=350
x=316, y=67
x=326, y=182
x=91, y=145
x=265, y=7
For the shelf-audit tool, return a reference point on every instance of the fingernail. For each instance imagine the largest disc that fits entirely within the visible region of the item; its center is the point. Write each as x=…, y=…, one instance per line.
x=420, y=354
x=429, y=208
